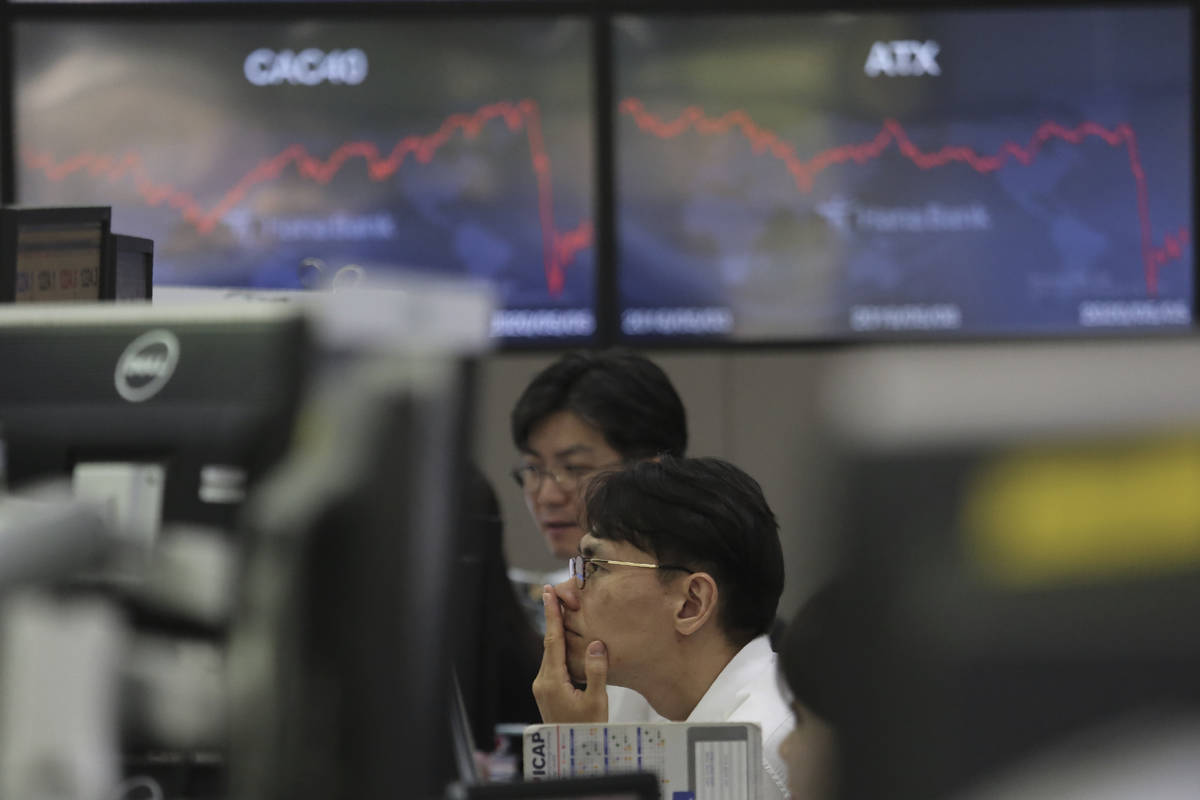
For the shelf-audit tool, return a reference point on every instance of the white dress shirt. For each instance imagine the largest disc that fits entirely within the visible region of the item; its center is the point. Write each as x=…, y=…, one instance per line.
x=626, y=705
x=747, y=690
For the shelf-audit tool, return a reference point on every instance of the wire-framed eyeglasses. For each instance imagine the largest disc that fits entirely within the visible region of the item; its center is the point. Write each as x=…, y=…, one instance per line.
x=530, y=476
x=583, y=567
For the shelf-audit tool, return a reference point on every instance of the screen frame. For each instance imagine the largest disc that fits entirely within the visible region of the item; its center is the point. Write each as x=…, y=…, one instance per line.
x=601, y=14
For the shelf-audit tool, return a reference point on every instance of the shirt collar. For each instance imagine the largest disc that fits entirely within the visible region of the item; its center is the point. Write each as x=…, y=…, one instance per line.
x=734, y=683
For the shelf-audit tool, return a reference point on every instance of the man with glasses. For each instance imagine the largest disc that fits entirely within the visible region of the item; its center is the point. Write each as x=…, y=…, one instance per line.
x=585, y=412
x=672, y=594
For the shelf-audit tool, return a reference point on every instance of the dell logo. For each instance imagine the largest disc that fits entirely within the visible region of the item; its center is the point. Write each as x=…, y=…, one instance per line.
x=146, y=365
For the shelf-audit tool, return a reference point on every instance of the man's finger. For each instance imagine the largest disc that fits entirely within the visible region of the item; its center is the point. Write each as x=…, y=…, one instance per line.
x=595, y=666
x=554, y=649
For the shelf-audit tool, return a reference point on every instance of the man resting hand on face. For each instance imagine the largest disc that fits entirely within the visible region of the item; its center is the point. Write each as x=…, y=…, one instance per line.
x=672, y=594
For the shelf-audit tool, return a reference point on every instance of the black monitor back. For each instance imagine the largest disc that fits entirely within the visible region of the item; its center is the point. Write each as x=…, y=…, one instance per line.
x=343, y=648
x=210, y=392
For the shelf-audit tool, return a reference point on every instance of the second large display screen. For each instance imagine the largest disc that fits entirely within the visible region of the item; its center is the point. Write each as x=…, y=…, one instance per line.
x=994, y=172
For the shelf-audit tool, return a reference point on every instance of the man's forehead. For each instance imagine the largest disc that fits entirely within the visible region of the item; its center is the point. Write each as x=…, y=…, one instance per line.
x=563, y=452
x=563, y=429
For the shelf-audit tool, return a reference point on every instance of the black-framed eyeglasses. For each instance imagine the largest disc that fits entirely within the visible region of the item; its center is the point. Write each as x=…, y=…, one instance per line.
x=529, y=476
x=582, y=567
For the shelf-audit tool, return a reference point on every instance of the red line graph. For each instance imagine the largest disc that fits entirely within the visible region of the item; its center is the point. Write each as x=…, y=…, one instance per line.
x=892, y=133
x=558, y=247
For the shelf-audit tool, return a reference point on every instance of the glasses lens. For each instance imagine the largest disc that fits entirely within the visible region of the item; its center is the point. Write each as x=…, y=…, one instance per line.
x=575, y=565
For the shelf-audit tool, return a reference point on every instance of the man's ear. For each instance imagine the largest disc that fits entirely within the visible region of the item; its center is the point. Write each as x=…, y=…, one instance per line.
x=699, y=604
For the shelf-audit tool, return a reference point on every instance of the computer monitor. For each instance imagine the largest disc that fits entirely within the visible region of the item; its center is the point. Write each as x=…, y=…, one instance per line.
x=341, y=657
x=168, y=417
x=1012, y=170
x=206, y=395
x=1018, y=532
x=55, y=254
x=283, y=151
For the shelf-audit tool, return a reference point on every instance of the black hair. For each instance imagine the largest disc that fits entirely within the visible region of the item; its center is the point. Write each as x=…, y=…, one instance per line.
x=626, y=396
x=813, y=653
x=704, y=514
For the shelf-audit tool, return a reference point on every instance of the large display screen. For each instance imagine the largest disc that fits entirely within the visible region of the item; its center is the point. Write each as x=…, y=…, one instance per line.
x=841, y=175
x=289, y=154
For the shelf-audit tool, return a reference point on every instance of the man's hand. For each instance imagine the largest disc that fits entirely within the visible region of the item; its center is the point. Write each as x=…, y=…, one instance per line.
x=557, y=698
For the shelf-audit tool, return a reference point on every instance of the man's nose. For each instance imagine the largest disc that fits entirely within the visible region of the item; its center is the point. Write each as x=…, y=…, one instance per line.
x=550, y=492
x=568, y=593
